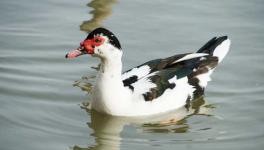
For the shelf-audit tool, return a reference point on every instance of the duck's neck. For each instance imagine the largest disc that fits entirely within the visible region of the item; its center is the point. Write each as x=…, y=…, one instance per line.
x=111, y=68
x=110, y=96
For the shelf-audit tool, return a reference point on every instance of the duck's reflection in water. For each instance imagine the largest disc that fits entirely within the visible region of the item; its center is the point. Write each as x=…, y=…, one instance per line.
x=101, y=10
x=107, y=129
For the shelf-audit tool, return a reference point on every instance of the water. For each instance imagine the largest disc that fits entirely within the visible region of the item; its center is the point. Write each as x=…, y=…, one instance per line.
x=40, y=109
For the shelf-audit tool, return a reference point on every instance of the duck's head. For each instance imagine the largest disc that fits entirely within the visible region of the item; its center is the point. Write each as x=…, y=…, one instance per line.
x=100, y=43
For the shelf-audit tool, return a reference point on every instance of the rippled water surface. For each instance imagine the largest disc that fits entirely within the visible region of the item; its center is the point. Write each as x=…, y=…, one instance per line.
x=40, y=107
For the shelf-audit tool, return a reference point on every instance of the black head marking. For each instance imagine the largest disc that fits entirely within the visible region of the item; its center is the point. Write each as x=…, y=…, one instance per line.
x=112, y=38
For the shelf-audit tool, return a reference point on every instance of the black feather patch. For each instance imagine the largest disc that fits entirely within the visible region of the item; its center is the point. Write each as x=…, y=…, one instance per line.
x=210, y=46
x=131, y=88
x=162, y=84
x=159, y=64
x=199, y=91
x=129, y=81
x=166, y=63
x=188, y=103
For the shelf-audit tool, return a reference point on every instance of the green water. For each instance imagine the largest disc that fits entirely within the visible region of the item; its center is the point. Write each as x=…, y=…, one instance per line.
x=40, y=107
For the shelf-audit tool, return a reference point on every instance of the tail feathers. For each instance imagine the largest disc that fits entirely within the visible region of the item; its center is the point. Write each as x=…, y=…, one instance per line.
x=217, y=46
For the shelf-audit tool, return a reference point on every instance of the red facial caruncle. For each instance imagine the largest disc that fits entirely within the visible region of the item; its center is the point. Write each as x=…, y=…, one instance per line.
x=90, y=44
x=86, y=47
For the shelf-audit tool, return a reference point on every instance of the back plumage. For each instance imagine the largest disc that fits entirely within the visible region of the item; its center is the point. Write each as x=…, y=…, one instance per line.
x=197, y=67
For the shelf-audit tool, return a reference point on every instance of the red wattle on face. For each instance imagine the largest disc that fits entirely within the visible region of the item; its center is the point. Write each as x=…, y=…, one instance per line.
x=89, y=46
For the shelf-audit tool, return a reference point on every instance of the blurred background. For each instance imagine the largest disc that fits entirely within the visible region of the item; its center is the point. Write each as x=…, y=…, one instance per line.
x=40, y=107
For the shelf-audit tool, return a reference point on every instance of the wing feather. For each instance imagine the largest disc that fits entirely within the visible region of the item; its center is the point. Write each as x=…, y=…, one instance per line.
x=133, y=75
x=156, y=83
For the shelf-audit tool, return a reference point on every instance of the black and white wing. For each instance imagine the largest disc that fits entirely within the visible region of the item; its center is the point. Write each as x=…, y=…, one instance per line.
x=133, y=75
x=155, y=84
x=152, y=78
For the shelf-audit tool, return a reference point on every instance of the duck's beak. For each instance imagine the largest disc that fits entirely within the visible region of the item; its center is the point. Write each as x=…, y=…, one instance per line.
x=77, y=52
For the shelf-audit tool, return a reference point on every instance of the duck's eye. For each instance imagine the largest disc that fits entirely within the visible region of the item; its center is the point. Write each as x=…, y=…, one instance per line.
x=97, y=40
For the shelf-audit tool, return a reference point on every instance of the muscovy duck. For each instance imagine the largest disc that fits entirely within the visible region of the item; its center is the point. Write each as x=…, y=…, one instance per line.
x=157, y=86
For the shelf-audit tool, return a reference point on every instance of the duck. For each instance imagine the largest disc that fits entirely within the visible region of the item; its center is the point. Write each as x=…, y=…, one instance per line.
x=154, y=87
